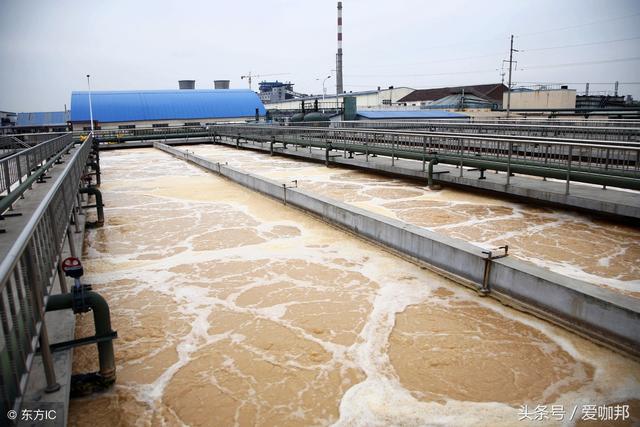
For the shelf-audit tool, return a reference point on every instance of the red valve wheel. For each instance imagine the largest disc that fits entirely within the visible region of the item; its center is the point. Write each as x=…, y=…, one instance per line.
x=72, y=267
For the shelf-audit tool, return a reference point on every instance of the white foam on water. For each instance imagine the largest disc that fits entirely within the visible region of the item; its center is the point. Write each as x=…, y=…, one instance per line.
x=321, y=179
x=392, y=285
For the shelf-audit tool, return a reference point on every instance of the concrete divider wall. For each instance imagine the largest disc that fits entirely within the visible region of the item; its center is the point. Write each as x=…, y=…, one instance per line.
x=585, y=308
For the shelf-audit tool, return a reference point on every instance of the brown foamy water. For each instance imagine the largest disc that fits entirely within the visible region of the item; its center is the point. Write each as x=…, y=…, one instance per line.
x=232, y=309
x=594, y=250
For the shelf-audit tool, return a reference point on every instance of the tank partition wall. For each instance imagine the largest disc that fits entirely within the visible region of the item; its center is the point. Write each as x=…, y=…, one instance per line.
x=584, y=308
x=602, y=164
x=30, y=268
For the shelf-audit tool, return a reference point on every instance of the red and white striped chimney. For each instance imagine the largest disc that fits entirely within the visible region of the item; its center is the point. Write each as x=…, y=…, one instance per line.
x=339, y=87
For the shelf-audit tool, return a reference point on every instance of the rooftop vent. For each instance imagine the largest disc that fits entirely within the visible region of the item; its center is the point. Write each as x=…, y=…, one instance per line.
x=186, y=84
x=221, y=84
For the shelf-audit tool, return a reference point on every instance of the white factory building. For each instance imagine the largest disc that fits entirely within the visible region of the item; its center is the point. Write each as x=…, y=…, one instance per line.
x=364, y=99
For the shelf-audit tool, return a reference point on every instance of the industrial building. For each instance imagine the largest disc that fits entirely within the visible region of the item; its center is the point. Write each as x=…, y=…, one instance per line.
x=7, y=118
x=524, y=98
x=276, y=91
x=485, y=96
x=163, y=108
x=603, y=101
x=29, y=122
x=364, y=99
x=43, y=121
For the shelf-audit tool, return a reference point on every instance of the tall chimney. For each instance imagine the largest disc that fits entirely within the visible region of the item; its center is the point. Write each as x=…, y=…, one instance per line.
x=339, y=87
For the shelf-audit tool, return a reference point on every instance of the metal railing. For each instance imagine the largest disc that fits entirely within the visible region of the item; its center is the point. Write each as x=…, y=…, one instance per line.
x=614, y=165
x=554, y=130
x=558, y=121
x=27, y=274
x=14, y=168
x=124, y=135
x=116, y=135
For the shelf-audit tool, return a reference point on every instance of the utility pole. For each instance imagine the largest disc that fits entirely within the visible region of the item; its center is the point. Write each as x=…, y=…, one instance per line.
x=511, y=50
x=90, y=107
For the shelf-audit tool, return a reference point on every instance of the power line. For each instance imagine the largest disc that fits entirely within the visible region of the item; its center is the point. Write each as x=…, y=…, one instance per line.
x=419, y=75
x=580, y=25
x=490, y=55
x=571, y=64
x=495, y=54
x=580, y=44
x=568, y=64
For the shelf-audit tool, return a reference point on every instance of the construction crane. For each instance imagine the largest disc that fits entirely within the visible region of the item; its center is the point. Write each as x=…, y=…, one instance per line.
x=250, y=76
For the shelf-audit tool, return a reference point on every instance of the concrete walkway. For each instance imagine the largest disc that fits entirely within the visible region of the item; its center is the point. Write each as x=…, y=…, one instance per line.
x=60, y=324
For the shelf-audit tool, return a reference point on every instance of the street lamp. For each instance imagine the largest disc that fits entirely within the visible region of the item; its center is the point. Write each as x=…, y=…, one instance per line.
x=324, y=90
x=90, y=107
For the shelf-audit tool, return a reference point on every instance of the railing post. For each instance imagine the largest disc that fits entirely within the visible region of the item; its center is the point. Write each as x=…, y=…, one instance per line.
x=19, y=169
x=461, y=156
x=38, y=294
x=509, y=163
x=7, y=178
x=566, y=191
x=424, y=154
x=393, y=153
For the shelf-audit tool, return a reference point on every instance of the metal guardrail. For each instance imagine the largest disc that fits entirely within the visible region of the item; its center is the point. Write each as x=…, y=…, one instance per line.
x=14, y=168
x=138, y=134
x=507, y=136
x=592, y=163
x=558, y=121
x=27, y=274
x=597, y=162
x=554, y=130
x=27, y=140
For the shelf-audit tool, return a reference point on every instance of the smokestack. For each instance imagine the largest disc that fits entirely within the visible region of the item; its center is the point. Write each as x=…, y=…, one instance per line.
x=186, y=84
x=339, y=87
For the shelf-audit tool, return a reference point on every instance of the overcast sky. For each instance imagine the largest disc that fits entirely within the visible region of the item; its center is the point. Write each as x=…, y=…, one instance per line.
x=47, y=47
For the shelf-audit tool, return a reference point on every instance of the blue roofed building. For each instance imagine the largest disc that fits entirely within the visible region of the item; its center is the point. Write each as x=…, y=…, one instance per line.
x=163, y=108
x=42, y=121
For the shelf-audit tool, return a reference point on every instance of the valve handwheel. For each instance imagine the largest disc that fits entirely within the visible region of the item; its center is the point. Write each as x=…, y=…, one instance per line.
x=72, y=267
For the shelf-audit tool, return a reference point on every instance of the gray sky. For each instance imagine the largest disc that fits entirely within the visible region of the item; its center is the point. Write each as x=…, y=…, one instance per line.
x=47, y=47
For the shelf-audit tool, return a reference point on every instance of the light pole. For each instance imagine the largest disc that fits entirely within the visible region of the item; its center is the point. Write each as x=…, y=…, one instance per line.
x=324, y=90
x=90, y=106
